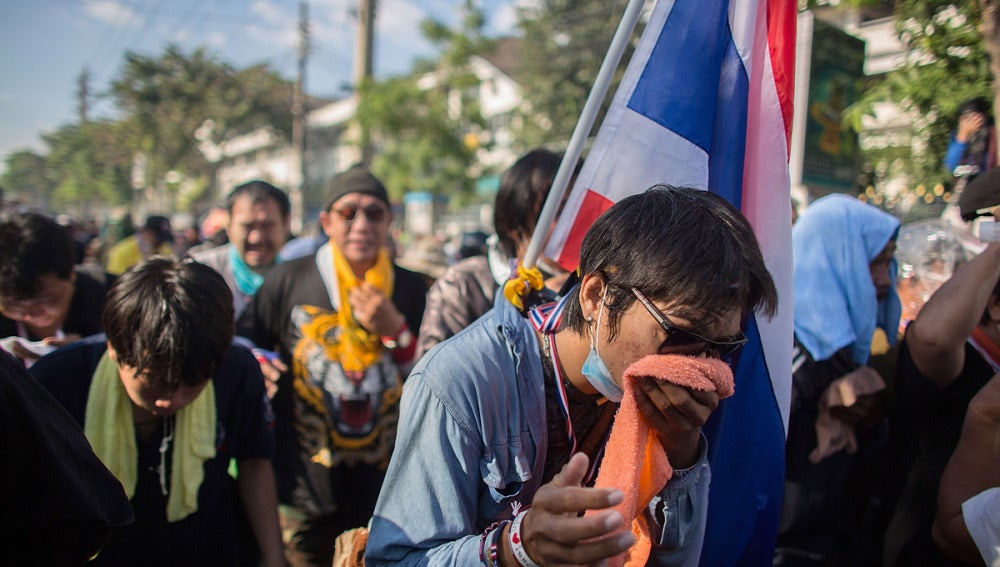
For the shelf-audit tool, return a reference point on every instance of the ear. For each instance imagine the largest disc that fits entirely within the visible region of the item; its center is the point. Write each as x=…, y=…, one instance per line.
x=112, y=354
x=591, y=293
x=326, y=222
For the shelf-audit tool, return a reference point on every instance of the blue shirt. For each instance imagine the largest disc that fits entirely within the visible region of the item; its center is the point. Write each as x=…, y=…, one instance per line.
x=472, y=442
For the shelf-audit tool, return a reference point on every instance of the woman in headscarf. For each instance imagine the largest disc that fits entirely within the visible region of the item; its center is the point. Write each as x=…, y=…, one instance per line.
x=844, y=272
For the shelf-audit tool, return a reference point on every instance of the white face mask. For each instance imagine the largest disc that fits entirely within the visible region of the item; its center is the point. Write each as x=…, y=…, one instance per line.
x=595, y=370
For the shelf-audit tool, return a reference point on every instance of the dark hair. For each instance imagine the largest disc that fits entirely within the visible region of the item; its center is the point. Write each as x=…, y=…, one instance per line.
x=523, y=189
x=32, y=246
x=170, y=318
x=677, y=244
x=977, y=104
x=260, y=191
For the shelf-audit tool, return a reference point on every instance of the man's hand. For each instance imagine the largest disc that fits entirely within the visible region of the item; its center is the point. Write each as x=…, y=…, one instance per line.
x=677, y=415
x=374, y=311
x=271, y=367
x=554, y=532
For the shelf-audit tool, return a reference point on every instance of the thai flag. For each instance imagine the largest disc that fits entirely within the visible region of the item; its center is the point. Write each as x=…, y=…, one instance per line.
x=707, y=102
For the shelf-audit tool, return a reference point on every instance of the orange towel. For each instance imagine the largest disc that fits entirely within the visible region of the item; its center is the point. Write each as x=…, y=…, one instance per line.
x=634, y=460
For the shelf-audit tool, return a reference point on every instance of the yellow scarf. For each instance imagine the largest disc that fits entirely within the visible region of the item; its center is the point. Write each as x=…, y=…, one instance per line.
x=357, y=348
x=110, y=429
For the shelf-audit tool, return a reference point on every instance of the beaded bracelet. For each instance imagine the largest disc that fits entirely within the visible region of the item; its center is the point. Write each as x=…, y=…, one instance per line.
x=517, y=544
x=494, y=553
x=488, y=558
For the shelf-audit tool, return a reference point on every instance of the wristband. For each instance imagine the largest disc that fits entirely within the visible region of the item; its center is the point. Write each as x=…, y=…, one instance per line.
x=494, y=551
x=402, y=339
x=482, y=549
x=488, y=555
x=517, y=544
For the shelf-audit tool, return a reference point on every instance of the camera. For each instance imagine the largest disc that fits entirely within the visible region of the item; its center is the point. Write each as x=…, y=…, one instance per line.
x=989, y=231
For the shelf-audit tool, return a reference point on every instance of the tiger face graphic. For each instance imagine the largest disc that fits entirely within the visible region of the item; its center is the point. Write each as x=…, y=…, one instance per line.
x=342, y=417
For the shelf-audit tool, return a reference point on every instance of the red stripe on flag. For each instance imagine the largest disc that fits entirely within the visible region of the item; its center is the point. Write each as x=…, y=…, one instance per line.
x=592, y=206
x=782, y=17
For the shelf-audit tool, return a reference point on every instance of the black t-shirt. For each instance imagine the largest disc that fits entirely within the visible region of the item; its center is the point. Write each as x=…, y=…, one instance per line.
x=930, y=422
x=60, y=502
x=814, y=493
x=243, y=430
x=335, y=433
x=84, y=315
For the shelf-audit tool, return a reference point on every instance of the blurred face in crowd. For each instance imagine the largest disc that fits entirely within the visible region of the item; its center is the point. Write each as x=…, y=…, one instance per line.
x=257, y=230
x=46, y=308
x=358, y=224
x=880, y=270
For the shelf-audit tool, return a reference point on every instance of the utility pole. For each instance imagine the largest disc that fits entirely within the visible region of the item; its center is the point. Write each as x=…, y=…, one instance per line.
x=83, y=94
x=299, y=121
x=363, y=66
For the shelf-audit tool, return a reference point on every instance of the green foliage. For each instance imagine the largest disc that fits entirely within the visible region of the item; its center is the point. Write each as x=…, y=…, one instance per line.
x=946, y=64
x=89, y=164
x=162, y=101
x=424, y=131
x=166, y=99
x=563, y=44
x=27, y=177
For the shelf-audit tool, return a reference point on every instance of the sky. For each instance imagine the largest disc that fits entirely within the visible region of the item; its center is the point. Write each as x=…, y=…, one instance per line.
x=46, y=44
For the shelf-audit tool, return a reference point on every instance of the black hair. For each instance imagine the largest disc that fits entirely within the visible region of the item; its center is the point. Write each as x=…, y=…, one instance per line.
x=31, y=246
x=170, y=318
x=685, y=246
x=978, y=104
x=260, y=191
x=523, y=190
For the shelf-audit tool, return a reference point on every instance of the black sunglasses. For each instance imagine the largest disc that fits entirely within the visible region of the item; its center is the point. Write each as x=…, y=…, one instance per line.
x=374, y=213
x=676, y=337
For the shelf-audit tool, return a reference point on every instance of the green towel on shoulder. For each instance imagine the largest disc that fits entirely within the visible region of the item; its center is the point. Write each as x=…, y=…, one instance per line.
x=109, y=427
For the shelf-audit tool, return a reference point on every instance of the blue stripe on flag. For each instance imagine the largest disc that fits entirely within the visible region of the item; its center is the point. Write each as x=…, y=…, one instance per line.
x=747, y=456
x=695, y=55
x=725, y=162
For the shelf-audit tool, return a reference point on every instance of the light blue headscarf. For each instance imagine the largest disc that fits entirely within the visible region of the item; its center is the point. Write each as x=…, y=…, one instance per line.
x=835, y=299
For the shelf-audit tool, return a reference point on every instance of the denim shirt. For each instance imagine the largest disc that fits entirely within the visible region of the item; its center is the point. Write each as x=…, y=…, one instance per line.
x=471, y=445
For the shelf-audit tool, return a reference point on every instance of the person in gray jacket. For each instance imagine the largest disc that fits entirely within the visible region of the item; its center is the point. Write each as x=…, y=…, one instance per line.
x=465, y=291
x=259, y=215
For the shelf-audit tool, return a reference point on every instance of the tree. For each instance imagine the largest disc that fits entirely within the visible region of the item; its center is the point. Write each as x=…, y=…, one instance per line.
x=27, y=176
x=167, y=99
x=423, y=123
x=990, y=28
x=562, y=46
x=89, y=164
x=947, y=62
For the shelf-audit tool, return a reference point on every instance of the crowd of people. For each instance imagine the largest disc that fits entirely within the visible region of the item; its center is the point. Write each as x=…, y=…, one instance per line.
x=236, y=400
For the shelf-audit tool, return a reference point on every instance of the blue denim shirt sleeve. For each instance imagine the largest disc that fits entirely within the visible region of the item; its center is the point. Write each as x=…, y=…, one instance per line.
x=676, y=517
x=426, y=511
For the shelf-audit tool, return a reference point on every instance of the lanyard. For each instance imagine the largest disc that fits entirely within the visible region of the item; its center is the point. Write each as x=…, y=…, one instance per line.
x=547, y=319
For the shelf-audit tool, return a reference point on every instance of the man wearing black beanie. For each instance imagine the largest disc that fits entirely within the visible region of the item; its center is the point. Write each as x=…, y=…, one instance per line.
x=341, y=321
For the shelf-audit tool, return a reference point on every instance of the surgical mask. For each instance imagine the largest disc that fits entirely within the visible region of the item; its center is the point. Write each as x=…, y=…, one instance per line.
x=595, y=370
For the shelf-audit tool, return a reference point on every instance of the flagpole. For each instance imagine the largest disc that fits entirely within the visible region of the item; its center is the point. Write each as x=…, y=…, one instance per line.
x=583, y=126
